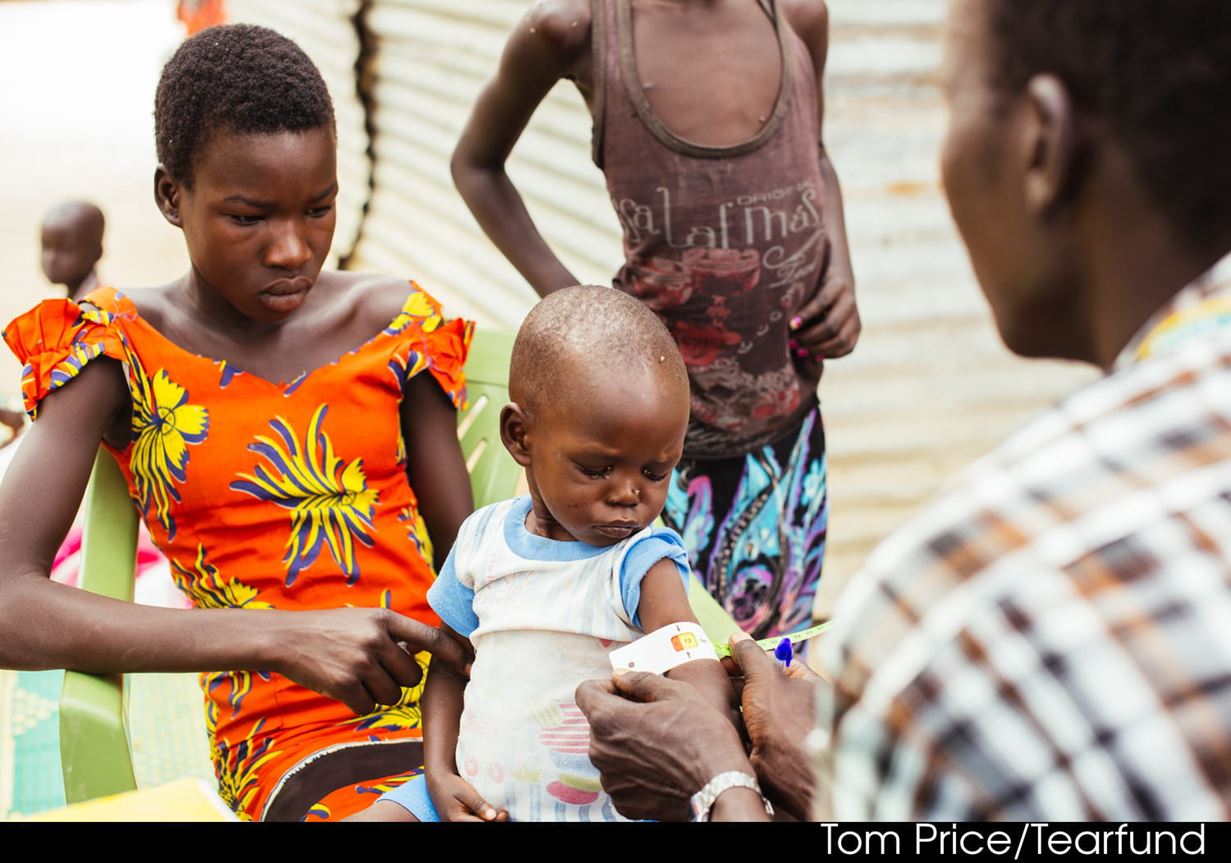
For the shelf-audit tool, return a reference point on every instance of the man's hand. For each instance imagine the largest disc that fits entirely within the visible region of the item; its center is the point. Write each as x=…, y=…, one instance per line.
x=456, y=800
x=656, y=742
x=778, y=714
x=828, y=325
x=360, y=656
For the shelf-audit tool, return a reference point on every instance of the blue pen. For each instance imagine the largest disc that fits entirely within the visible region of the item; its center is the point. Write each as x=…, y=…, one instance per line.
x=784, y=653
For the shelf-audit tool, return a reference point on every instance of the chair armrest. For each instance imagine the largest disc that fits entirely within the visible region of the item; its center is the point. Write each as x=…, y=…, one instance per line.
x=94, y=747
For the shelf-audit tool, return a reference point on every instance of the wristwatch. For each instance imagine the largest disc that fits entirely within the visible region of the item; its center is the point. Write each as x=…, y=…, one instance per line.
x=703, y=801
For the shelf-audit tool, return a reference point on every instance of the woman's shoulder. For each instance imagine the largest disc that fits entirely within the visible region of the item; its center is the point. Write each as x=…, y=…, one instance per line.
x=375, y=300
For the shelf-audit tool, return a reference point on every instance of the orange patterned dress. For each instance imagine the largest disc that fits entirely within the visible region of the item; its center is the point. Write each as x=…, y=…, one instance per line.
x=269, y=495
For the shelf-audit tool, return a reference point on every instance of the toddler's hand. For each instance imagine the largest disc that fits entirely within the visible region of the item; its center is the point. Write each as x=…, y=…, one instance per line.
x=456, y=800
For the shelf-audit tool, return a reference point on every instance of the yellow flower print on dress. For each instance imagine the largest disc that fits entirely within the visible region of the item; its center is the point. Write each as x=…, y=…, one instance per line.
x=417, y=309
x=208, y=590
x=236, y=766
x=163, y=425
x=404, y=715
x=330, y=501
x=416, y=529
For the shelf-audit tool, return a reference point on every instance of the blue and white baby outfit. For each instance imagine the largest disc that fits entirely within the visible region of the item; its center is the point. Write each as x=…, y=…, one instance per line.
x=543, y=616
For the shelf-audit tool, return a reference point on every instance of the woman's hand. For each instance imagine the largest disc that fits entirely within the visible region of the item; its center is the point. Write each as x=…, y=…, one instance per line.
x=456, y=800
x=656, y=742
x=360, y=656
x=778, y=714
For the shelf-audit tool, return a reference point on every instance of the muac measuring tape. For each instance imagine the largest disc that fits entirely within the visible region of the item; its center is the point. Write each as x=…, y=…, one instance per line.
x=677, y=643
x=771, y=643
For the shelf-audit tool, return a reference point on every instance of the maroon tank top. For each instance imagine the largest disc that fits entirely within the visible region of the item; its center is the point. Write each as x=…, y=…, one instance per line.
x=725, y=243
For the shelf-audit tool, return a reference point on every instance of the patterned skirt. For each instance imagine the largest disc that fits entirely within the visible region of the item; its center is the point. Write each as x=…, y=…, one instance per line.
x=755, y=528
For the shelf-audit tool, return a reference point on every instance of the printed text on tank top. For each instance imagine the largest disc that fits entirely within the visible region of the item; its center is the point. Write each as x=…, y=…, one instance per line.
x=725, y=243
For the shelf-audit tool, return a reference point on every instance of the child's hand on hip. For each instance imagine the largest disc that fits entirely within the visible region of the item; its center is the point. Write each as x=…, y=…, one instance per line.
x=828, y=325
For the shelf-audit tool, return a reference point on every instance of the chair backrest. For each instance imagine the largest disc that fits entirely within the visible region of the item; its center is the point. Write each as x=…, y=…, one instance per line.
x=95, y=750
x=494, y=476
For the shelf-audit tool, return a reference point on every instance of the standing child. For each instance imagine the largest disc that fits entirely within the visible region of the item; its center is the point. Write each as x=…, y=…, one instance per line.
x=288, y=435
x=547, y=585
x=707, y=117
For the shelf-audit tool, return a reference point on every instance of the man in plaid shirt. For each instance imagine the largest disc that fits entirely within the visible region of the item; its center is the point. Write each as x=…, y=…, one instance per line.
x=1051, y=637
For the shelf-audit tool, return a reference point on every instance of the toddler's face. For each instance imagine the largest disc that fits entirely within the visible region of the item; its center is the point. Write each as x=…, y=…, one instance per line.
x=601, y=466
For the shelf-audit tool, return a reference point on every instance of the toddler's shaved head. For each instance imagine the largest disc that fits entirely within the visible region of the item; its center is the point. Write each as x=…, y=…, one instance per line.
x=587, y=337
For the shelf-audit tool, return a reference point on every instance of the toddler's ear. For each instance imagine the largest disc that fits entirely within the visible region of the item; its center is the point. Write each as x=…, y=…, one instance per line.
x=514, y=425
x=166, y=195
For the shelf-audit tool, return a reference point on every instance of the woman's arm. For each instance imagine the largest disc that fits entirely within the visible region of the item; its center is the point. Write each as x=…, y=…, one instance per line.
x=829, y=324
x=434, y=463
x=546, y=45
x=349, y=654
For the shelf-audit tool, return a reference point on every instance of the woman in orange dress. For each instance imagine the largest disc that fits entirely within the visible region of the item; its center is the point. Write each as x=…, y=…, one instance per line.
x=274, y=423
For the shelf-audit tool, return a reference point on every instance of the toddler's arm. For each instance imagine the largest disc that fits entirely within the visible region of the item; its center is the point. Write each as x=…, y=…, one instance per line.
x=664, y=601
x=454, y=798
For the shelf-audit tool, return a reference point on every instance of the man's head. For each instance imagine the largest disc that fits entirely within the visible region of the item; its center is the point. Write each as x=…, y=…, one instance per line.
x=72, y=241
x=600, y=407
x=1076, y=123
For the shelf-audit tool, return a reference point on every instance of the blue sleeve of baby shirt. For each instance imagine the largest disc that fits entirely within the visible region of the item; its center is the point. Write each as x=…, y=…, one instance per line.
x=450, y=599
x=644, y=553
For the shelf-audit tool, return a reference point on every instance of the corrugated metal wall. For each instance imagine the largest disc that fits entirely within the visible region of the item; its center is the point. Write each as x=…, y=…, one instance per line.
x=930, y=387
x=326, y=31
x=432, y=57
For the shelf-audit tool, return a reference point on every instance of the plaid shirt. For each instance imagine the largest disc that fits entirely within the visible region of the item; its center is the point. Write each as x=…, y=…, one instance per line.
x=1051, y=638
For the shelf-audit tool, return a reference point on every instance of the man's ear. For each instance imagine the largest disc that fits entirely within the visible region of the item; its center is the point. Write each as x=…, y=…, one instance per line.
x=167, y=193
x=1051, y=145
x=514, y=428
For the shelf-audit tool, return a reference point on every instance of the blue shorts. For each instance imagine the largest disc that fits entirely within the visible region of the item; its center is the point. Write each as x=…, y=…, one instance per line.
x=413, y=797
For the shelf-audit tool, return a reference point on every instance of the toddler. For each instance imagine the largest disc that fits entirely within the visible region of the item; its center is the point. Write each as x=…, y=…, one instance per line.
x=547, y=585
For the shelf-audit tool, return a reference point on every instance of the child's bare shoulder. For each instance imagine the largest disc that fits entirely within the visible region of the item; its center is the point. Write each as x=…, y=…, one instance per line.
x=563, y=25
x=809, y=19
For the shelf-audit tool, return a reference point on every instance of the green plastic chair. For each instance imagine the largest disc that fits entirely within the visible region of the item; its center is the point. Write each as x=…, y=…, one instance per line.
x=95, y=750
